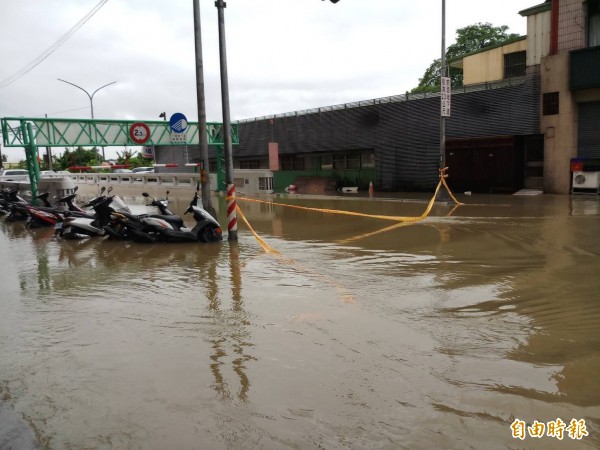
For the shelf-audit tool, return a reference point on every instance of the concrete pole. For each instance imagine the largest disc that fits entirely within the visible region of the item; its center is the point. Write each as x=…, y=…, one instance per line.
x=202, y=134
x=443, y=74
x=231, y=203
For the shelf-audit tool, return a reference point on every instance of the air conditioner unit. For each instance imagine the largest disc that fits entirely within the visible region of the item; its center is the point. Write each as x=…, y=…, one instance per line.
x=586, y=180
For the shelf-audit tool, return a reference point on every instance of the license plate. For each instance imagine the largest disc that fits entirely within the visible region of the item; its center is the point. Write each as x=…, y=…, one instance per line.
x=29, y=218
x=58, y=225
x=67, y=230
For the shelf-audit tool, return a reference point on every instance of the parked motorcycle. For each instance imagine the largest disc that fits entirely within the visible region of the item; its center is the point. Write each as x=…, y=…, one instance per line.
x=123, y=223
x=161, y=229
x=74, y=226
x=54, y=214
x=165, y=227
x=9, y=197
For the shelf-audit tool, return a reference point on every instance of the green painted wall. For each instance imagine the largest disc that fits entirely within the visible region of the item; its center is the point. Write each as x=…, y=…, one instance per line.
x=360, y=178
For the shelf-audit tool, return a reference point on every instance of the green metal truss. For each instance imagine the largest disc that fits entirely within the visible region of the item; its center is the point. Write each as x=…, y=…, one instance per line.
x=31, y=133
x=48, y=132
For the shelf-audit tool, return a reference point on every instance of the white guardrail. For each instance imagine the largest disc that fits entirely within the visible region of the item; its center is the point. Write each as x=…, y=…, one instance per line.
x=141, y=179
x=248, y=181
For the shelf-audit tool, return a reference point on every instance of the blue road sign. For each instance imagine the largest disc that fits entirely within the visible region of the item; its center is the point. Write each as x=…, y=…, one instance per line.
x=178, y=123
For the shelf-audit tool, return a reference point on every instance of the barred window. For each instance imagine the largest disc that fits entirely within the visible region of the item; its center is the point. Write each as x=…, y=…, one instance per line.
x=515, y=64
x=550, y=103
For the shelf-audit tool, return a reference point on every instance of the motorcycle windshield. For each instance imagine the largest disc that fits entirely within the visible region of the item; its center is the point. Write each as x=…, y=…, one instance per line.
x=119, y=205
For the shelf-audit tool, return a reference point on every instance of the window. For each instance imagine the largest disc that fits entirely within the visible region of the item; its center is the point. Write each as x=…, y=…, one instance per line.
x=265, y=183
x=250, y=164
x=353, y=161
x=348, y=161
x=291, y=162
x=339, y=161
x=550, y=103
x=367, y=160
x=326, y=162
x=515, y=64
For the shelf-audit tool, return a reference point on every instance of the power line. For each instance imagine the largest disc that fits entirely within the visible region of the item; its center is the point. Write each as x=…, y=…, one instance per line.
x=53, y=47
x=69, y=110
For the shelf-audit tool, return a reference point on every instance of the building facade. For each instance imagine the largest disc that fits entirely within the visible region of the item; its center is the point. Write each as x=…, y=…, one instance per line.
x=527, y=108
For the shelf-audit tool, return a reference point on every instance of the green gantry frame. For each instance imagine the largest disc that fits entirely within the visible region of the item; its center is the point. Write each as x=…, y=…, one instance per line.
x=31, y=133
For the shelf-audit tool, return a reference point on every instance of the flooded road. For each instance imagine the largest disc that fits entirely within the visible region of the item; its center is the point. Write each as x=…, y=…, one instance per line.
x=359, y=334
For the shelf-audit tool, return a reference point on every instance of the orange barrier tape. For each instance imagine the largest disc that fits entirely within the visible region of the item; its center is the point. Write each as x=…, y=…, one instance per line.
x=267, y=248
x=352, y=213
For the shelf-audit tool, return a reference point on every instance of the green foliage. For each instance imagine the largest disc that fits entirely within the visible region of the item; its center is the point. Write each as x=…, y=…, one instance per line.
x=127, y=157
x=78, y=157
x=469, y=39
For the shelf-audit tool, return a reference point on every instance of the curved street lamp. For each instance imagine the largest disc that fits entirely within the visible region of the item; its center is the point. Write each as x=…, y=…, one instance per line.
x=91, y=97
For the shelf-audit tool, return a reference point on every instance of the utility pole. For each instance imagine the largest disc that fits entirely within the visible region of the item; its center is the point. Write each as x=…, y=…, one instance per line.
x=49, y=153
x=442, y=76
x=231, y=203
x=446, y=90
x=202, y=134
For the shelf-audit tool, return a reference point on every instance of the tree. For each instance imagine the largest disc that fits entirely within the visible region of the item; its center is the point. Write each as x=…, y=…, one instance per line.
x=469, y=39
x=78, y=157
x=125, y=157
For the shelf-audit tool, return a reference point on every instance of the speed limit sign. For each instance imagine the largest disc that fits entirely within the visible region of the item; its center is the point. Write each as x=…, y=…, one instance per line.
x=139, y=132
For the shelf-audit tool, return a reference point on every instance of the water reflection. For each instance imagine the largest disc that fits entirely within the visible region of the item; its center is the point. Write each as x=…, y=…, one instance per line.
x=230, y=338
x=358, y=334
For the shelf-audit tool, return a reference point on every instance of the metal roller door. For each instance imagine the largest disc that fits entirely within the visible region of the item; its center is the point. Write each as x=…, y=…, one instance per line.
x=588, y=140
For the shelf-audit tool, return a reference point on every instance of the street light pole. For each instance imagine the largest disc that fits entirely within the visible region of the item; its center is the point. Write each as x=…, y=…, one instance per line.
x=231, y=203
x=91, y=97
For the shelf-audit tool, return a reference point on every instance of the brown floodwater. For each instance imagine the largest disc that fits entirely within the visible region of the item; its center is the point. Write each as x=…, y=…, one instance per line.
x=359, y=333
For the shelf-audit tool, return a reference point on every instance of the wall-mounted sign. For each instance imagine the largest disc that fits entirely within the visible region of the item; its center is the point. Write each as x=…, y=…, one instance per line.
x=148, y=152
x=446, y=93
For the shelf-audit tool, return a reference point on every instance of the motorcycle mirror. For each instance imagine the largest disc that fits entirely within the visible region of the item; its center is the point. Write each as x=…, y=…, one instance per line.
x=110, y=189
x=145, y=194
x=102, y=189
x=75, y=188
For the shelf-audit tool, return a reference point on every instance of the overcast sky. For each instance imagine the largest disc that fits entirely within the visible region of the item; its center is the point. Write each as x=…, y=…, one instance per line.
x=282, y=55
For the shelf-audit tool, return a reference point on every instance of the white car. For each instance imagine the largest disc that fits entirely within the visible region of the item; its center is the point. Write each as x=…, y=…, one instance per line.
x=144, y=170
x=14, y=175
